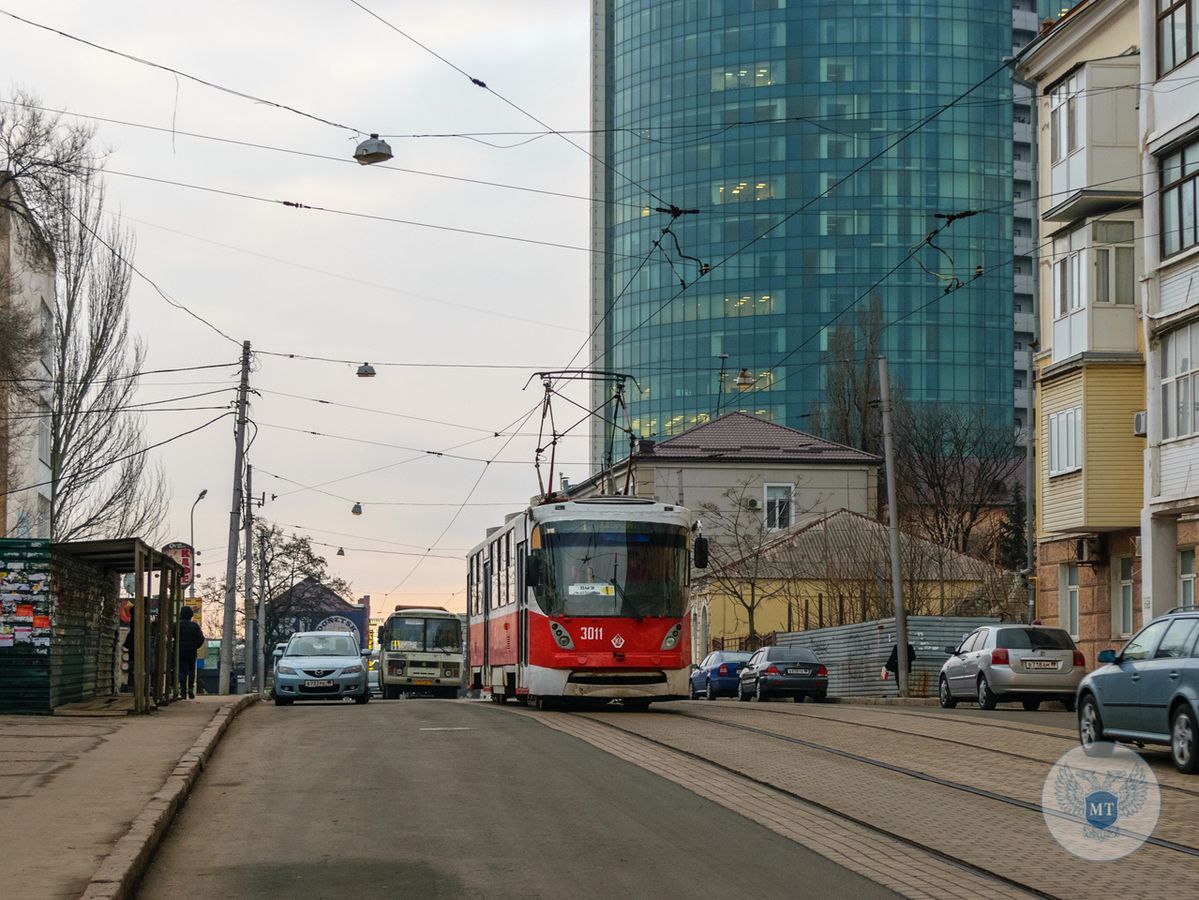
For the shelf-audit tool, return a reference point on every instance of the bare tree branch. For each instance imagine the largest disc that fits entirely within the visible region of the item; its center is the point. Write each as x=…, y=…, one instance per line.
x=103, y=485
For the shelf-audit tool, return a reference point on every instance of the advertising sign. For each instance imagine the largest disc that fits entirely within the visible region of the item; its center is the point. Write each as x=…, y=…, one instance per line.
x=182, y=553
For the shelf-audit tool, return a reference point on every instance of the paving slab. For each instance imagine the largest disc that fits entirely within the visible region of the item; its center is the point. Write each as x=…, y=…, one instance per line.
x=70, y=787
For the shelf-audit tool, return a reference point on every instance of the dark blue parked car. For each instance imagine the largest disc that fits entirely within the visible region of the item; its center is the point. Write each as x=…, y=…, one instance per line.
x=717, y=675
x=1148, y=692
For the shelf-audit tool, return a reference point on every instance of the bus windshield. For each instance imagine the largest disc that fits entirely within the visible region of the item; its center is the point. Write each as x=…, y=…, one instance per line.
x=429, y=635
x=612, y=568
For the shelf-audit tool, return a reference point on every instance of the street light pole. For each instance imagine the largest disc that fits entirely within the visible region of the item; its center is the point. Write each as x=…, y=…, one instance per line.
x=191, y=541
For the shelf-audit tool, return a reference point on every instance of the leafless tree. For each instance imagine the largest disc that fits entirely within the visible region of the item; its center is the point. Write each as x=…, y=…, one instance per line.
x=849, y=414
x=958, y=468
x=104, y=486
x=281, y=561
x=740, y=567
x=20, y=344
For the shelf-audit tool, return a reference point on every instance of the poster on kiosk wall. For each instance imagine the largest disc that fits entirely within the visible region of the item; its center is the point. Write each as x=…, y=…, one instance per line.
x=184, y=554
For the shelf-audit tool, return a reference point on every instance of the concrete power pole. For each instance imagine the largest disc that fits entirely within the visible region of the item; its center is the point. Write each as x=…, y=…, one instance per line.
x=229, y=625
x=251, y=611
x=901, y=624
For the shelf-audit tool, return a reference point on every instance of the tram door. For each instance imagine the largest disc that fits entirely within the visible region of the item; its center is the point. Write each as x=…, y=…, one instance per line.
x=522, y=617
x=487, y=592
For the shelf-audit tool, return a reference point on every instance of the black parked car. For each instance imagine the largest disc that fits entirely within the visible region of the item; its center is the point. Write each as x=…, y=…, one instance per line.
x=793, y=672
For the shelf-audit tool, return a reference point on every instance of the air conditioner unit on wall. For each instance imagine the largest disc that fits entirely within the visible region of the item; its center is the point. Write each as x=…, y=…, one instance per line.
x=1090, y=551
x=1140, y=424
x=752, y=503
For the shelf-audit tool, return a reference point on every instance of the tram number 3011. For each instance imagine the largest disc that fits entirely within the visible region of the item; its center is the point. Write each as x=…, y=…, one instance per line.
x=591, y=633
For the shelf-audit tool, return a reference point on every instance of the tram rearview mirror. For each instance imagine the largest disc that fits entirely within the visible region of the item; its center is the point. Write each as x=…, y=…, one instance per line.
x=701, y=552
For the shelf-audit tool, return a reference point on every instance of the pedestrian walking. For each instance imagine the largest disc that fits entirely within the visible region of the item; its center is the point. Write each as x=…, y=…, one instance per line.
x=191, y=639
x=891, y=668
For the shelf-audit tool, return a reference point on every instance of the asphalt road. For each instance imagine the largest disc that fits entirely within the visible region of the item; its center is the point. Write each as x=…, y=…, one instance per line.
x=453, y=799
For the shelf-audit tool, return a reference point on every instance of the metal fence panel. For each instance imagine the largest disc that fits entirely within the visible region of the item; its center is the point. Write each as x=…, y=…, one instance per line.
x=855, y=654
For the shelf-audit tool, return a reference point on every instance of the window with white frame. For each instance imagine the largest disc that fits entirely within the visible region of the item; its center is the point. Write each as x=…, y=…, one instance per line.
x=779, y=499
x=1186, y=577
x=1067, y=277
x=1063, y=119
x=1065, y=441
x=1180, y=203
x=1122, y=599
x=1114, y=262
x=1068, y=597
x=1179, y=380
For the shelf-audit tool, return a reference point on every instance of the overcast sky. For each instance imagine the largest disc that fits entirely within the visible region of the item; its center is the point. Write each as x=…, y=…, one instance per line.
x=316, y=283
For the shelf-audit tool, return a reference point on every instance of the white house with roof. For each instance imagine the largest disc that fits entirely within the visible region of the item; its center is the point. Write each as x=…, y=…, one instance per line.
x=781, y=472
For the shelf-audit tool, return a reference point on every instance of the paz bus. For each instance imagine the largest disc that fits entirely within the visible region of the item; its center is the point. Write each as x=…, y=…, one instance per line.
x=420, y=651
x=583, y=601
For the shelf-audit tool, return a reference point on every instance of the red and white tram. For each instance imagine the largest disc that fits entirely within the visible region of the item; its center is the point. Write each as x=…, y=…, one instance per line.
x=583, y=601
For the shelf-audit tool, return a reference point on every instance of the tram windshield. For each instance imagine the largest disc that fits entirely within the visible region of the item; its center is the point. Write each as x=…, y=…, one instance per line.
x=428, y=635
x=612, y=568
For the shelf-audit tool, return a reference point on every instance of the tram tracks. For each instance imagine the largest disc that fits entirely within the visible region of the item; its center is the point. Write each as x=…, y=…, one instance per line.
x=915, y=774
x=611, y=722
x=796, y=714
x=831, y=790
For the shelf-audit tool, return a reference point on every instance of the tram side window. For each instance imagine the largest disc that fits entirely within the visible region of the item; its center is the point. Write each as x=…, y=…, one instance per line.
x=496, y=571
x=507, y=568
x=475, y=590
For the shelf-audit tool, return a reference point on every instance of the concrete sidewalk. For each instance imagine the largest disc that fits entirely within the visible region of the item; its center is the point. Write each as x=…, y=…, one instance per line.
x=71, y=785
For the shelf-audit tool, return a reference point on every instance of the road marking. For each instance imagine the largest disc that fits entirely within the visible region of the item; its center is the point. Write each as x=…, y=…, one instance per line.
x=448, y=728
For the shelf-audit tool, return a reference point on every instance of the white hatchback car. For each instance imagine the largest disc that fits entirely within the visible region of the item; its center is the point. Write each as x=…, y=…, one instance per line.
x=997, y=663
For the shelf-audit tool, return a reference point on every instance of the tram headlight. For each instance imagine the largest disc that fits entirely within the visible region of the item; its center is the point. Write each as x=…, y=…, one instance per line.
x=561, y=636
x=672, y=637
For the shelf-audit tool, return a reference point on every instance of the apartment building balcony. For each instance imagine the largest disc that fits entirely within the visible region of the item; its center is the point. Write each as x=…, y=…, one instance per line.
x=1093, y=129
x=1088, y=458
x=1023, y=323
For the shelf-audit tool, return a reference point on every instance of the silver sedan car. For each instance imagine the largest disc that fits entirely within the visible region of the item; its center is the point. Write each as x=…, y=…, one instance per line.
x=998, y=663
x=321, y=665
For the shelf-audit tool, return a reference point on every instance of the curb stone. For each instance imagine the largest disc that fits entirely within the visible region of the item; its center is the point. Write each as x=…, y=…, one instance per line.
x=121, y=870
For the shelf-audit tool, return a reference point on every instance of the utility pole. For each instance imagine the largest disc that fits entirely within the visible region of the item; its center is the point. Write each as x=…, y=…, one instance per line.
x=229, y=624
x=901, y=625
x=251, y=611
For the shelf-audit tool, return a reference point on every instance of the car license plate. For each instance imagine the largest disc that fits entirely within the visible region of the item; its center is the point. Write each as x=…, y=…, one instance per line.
x=319, y=684
x=1040, y=664
x=422, y=680
x=799, y=671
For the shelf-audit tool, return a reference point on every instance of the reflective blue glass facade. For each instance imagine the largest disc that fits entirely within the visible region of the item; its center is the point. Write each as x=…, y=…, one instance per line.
x=746, y=110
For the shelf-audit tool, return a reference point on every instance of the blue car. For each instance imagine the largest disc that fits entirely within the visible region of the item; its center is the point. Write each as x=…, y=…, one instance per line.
x=321, y=665
x=717, y=675
x=1148, y=692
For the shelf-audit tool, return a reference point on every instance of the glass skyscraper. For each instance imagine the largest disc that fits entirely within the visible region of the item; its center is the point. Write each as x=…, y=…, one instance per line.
x=746, y=111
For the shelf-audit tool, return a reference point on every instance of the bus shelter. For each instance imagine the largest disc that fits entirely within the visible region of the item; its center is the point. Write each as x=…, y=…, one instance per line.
x=60, y=623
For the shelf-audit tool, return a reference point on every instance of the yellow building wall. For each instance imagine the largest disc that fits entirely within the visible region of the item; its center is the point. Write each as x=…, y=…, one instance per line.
x=728, y=619
x=1061, y=497
x=1112, y=454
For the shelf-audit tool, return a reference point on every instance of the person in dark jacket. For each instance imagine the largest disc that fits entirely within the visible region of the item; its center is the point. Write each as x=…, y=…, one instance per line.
x=892, y=665
x=191, y=639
